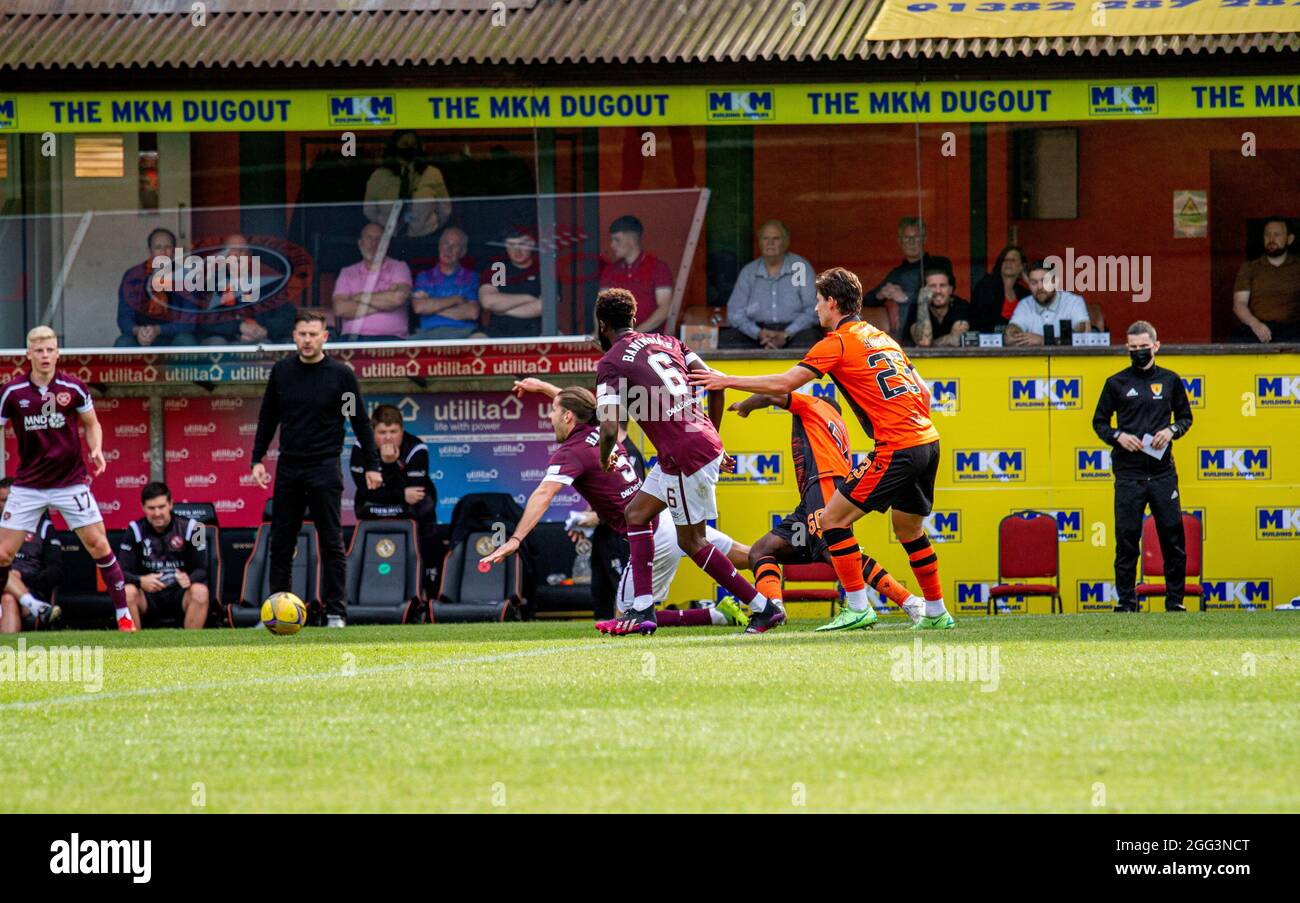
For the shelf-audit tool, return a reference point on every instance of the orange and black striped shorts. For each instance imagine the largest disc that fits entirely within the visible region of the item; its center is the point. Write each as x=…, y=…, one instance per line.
x=902, y=479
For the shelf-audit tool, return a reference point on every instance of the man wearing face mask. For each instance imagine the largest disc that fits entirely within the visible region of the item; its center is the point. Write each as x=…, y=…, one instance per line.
x=1144, y=398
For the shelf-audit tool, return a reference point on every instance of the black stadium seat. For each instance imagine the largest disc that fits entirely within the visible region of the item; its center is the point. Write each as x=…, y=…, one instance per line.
x=468, y=594
x=256, y=586
x=384, y=568
x=206, y=514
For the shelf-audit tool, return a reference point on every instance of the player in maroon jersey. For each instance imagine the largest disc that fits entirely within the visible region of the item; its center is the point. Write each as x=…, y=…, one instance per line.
x=45, y=406
x=577, y=463
x=643, y=377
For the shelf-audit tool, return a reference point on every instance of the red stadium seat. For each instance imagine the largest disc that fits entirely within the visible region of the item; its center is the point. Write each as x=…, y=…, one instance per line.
x=1028, y=548
x=1153, y=559
x=818, y=572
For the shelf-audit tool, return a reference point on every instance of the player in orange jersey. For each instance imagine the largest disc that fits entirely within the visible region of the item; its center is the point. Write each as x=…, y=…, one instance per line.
x=892, y=403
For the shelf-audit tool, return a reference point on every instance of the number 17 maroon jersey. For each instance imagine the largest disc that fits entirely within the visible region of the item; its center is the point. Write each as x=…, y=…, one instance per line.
x=645, y=375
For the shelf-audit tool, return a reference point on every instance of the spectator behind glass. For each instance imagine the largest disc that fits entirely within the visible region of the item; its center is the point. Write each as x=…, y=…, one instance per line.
x=370, y=296
x=1046, y=306
x=1266, y=294
x=775, y=297
x=510, y=289
x=640, y=272
x=940, y=317
x=997, y=294
x=897, y=291
x=446, y=296
x=147, y=317
x=229, y=324
x=406, y=178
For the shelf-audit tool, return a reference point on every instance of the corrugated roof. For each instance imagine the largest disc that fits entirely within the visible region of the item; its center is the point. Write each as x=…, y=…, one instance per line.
x=132, y=33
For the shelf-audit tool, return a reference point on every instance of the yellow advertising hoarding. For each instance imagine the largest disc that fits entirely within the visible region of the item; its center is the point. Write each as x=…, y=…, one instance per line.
x=1029, y=100
x=906, y=20
x=1017, y=434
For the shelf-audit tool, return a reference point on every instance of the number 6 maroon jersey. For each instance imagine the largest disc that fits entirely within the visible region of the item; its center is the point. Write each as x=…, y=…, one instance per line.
x=645, y=375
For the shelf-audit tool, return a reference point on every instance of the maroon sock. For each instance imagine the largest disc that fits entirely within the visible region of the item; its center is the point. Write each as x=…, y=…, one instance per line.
x=716, y=565
x=641, y=551
x=692, y=617
x=111, y=571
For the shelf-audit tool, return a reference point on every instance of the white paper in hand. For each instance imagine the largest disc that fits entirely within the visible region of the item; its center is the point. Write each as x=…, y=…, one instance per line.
x=1156, y=453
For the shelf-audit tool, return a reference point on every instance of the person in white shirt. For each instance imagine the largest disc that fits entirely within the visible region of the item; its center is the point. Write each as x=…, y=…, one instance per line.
x=1047, y=305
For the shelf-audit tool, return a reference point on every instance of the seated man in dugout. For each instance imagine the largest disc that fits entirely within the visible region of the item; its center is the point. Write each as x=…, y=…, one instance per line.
x=149, y=314
x=227, y=319
x=1266, y=294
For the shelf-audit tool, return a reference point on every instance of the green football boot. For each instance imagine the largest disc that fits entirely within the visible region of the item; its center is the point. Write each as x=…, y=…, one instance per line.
x=734, y=614
x=938, y=622
x=848, y=619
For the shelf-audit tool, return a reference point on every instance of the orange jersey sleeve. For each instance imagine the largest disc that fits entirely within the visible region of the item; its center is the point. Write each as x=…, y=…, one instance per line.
x=879, y=383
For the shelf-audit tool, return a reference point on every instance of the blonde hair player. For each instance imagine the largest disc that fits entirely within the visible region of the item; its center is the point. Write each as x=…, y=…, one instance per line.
x=45, y=406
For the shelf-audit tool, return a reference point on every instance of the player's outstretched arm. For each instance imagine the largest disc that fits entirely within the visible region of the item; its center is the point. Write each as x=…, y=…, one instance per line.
x=758, y=401
x=773, y=384
x=533, y=384
x=94, y=441
x=537, y=504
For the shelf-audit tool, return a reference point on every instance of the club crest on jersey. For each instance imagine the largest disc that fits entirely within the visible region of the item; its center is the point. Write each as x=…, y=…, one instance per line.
x=176, y=542
x=1157, y=389
x=64, y=399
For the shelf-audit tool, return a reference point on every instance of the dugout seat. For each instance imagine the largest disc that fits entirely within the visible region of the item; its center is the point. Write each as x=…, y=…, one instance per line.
x=206, y=514
x=467, y=594
x=256, y=585
x=1153, y=559
x=383, y=582
x=1028, y=549
x=816, y=572
x=556, y=556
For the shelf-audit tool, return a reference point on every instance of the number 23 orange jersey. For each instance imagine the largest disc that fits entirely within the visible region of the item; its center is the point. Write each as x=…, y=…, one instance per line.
x=882, y=387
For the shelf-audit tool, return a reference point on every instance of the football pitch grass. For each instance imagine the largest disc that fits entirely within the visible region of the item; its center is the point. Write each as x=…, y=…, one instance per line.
x=1083, y=713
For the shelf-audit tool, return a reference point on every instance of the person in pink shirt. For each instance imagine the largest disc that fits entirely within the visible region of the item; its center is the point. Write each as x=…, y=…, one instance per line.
x=372, y=296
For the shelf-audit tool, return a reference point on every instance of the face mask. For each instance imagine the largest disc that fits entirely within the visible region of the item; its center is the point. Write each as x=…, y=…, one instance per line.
x=1140, y=358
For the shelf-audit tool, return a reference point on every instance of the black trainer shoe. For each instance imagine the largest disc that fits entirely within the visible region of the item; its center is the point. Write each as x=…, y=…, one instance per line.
x=1177, y=606
x=1122, y=608
x=773, y=615
x=49, y=617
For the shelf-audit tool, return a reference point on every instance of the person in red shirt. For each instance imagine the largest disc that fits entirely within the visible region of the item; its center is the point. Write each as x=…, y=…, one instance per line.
x=892, y=403
x=640, y=272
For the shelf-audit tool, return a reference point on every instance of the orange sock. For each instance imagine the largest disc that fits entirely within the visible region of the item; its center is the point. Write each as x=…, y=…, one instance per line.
x=768, y=574
x=845, y=557
x=880, y=580
x=925, y=565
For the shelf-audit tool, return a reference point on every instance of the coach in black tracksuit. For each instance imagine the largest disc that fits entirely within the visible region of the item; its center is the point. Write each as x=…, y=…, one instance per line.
x=1145, y=399
x=307, y=398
